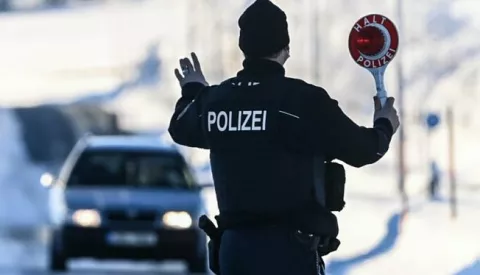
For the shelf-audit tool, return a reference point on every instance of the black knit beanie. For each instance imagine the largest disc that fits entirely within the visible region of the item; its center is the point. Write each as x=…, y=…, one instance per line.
x=263, y=30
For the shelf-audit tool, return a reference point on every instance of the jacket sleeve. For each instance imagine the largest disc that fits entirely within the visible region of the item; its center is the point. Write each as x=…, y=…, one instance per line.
x=186, y=122
x=333, y=133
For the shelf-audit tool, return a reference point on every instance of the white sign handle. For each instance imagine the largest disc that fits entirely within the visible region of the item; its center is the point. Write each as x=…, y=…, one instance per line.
x=378, y=75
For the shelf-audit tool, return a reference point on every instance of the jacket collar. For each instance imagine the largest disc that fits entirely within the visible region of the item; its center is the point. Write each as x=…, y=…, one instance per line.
x=261, y=68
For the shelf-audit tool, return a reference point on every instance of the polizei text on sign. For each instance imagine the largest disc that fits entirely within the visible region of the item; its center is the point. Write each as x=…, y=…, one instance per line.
x=377, y=63
x=233, y=121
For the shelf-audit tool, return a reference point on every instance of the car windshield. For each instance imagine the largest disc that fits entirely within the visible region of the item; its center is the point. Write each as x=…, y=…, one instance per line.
x=131, y=169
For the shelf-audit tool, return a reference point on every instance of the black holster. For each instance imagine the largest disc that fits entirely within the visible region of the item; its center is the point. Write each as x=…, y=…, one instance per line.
x=327, y=246
x=322, y=244
x=215, y=235
x=334, y=186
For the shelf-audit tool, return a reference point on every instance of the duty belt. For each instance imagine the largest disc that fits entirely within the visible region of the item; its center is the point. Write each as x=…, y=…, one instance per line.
x=323, y=244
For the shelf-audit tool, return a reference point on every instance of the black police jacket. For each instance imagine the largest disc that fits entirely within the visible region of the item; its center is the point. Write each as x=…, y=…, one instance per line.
x=269, y=137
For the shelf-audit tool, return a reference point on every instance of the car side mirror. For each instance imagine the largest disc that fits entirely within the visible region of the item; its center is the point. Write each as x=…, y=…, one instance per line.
x=47, y=180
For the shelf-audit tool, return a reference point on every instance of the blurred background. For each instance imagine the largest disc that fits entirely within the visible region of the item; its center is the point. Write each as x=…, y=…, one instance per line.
x=70, y=67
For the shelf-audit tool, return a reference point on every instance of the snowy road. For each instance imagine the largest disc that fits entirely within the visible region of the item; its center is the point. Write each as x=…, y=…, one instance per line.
x=24, y=252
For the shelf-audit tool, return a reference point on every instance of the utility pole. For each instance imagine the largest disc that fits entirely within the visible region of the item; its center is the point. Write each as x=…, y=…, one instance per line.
x=402, y=171
x=451, y=162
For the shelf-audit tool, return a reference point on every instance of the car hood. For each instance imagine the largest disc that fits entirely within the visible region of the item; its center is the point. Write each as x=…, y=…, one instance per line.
x=162, y=200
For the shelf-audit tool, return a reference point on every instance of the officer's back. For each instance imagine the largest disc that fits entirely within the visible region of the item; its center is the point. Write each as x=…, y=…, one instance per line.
x=271, y=140
x=263, y=167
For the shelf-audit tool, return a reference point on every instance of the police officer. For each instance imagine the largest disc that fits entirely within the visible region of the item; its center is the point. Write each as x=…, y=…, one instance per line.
x=272, y=140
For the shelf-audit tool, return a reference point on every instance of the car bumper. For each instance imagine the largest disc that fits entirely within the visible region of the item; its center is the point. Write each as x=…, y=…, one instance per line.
x=81, y=242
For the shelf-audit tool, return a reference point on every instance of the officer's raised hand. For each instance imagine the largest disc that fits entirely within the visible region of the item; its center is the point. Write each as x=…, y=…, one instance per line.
x=190, y=72
x=388, y=111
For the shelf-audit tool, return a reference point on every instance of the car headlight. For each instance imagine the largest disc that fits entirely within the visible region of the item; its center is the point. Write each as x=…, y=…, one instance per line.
x=87, y=218
x=177, y=220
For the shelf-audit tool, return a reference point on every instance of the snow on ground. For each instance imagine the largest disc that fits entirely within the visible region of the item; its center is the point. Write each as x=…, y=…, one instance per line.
x=23, y=199
x=426, y=241
x=377, y=239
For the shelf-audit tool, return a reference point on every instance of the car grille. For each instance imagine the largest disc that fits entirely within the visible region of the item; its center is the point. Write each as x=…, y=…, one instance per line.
x=131, y=215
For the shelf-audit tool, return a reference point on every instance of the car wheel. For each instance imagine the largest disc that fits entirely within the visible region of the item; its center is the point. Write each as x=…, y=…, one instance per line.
x=198, y=265
x=58, y=259
x=58, y=262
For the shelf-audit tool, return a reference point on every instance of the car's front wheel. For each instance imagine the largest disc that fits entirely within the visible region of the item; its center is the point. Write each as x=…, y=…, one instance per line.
x=58, y=260
x=198, y=265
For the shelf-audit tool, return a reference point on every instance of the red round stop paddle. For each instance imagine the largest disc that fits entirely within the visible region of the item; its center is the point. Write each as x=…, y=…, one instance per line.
x=373, y=43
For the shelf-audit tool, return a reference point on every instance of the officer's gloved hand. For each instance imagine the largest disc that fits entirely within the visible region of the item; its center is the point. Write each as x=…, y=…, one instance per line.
x=190, y=73
x=386, y=112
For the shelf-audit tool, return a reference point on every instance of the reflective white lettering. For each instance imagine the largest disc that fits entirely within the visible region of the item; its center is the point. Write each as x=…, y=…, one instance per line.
x=211, y=120
x=223, y=127
x=357, y=27
x=256, y=118
x=239, y=124
x=230, y=127
x=367, y=63
x=375, y=63
x=232, y=121
x=244, y=124
x=264, y=121
x=383, y=20
x=365, y=21
x=384, y=60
